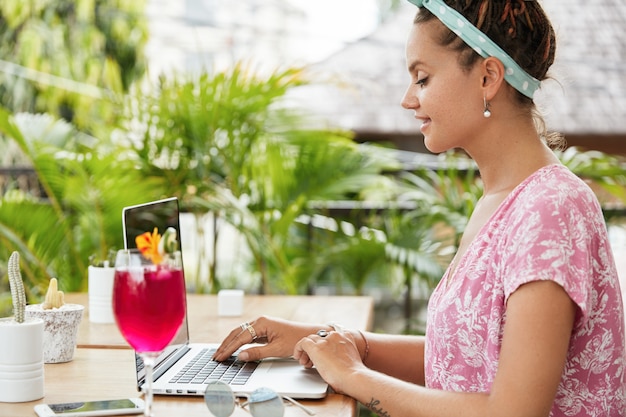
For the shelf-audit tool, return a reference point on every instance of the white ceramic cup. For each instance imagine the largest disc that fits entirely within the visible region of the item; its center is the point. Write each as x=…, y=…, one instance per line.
x=100, y=280
x=21, y=360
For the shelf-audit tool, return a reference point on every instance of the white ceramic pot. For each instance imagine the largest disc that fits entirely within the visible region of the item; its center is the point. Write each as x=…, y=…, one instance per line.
x=101, y=294
x=60, y=330
x=21, y=360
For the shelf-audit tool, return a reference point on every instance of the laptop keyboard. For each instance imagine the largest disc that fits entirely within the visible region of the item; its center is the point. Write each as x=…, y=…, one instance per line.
x=202, y=369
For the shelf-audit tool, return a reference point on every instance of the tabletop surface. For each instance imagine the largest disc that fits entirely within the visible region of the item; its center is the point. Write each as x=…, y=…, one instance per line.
x=103, y=365
x=206, y=326
x=98, y=374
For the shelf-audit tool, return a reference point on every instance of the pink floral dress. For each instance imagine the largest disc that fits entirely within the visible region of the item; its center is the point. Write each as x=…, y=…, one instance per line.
x=549, y=228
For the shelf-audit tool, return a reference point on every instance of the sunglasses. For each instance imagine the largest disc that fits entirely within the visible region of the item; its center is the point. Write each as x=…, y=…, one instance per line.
x=262, y=402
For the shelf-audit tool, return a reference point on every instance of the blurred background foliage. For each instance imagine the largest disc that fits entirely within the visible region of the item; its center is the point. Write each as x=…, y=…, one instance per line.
x=63, y=57
x=299, y=209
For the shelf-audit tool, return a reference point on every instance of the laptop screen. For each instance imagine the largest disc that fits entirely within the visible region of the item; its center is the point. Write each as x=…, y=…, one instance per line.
x=144, y=218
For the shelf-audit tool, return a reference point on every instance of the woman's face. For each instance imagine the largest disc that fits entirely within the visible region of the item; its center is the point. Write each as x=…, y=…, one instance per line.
x=445, y=98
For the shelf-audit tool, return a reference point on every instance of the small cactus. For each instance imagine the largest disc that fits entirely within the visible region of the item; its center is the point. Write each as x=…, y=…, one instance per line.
x=17, y=287
x=54, y=297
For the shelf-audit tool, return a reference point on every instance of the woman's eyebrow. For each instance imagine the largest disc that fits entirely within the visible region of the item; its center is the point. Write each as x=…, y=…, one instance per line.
x=414, y=64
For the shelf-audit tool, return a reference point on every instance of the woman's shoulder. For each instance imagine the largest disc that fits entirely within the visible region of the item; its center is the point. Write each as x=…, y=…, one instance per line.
x=554, y=187
x=552, y=198
x=556, y=175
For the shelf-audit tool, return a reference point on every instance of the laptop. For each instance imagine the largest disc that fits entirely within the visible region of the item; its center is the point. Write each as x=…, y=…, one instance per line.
x=185, y=368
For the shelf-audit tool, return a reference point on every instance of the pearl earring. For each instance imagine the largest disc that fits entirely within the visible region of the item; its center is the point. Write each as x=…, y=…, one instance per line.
x=486, y=112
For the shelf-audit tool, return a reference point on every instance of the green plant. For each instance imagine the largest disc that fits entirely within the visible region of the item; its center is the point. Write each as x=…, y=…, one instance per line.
x=226, y=143
x=17, y=287
x=310, y=167
x=108, y=261
x=64, y=57
x=346, y=257
x=80, y=214
x=198, y=134
x=605, y=173
x=197, y=131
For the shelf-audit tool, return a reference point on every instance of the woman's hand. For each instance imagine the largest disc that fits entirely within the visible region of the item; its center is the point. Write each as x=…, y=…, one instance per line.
x=277, y=338
x=333, y=355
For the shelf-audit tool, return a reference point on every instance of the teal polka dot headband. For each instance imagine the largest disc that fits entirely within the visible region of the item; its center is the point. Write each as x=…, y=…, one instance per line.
x=485, y=47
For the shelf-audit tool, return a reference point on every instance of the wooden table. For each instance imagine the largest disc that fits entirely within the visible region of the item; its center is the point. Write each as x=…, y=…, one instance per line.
x=102, y=367
x=98, y=374
x=206, y=326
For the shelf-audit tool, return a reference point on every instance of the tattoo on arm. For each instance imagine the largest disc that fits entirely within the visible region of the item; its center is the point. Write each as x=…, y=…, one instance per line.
x=375, y=406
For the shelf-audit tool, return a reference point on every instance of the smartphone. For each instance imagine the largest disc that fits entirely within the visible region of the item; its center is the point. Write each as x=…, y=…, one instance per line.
x=92, y=408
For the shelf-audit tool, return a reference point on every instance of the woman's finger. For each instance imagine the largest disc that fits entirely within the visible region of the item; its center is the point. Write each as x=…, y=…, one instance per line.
x=242, y=335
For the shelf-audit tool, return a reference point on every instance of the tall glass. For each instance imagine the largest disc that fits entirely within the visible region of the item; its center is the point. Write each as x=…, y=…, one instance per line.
x=149, y=306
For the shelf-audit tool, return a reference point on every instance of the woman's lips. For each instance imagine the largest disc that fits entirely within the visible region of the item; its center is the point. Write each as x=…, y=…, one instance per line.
x=425, y=123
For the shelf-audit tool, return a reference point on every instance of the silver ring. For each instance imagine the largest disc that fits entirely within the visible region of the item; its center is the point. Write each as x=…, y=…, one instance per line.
x=247, y=326
x=322, y=333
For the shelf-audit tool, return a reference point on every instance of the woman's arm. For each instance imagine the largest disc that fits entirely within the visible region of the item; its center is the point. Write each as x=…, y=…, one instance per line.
x=540, y=317
x=399, y=356
x=277, y=337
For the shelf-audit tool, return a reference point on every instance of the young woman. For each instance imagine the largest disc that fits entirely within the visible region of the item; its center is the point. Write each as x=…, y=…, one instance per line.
x=528, y=319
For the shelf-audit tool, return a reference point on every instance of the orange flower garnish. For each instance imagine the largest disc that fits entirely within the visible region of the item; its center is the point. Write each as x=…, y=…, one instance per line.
x=148, y=245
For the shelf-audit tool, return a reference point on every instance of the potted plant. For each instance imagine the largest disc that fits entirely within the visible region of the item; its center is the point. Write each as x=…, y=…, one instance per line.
x=100, y=275
x=61, y=321
x=21, y=346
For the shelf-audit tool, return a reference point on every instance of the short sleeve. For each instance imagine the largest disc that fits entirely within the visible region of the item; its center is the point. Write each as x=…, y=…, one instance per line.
x=552, y=238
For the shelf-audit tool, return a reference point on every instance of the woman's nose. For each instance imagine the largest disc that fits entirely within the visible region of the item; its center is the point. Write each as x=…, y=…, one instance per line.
x=409, y=100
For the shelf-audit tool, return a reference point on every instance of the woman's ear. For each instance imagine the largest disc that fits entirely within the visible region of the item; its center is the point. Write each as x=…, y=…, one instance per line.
x=493, y=76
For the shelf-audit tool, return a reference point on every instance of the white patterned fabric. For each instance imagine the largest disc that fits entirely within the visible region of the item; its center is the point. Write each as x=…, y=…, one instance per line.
x=549, y=228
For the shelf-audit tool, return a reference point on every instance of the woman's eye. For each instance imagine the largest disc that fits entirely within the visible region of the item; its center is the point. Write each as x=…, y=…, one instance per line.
x=422, y=81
